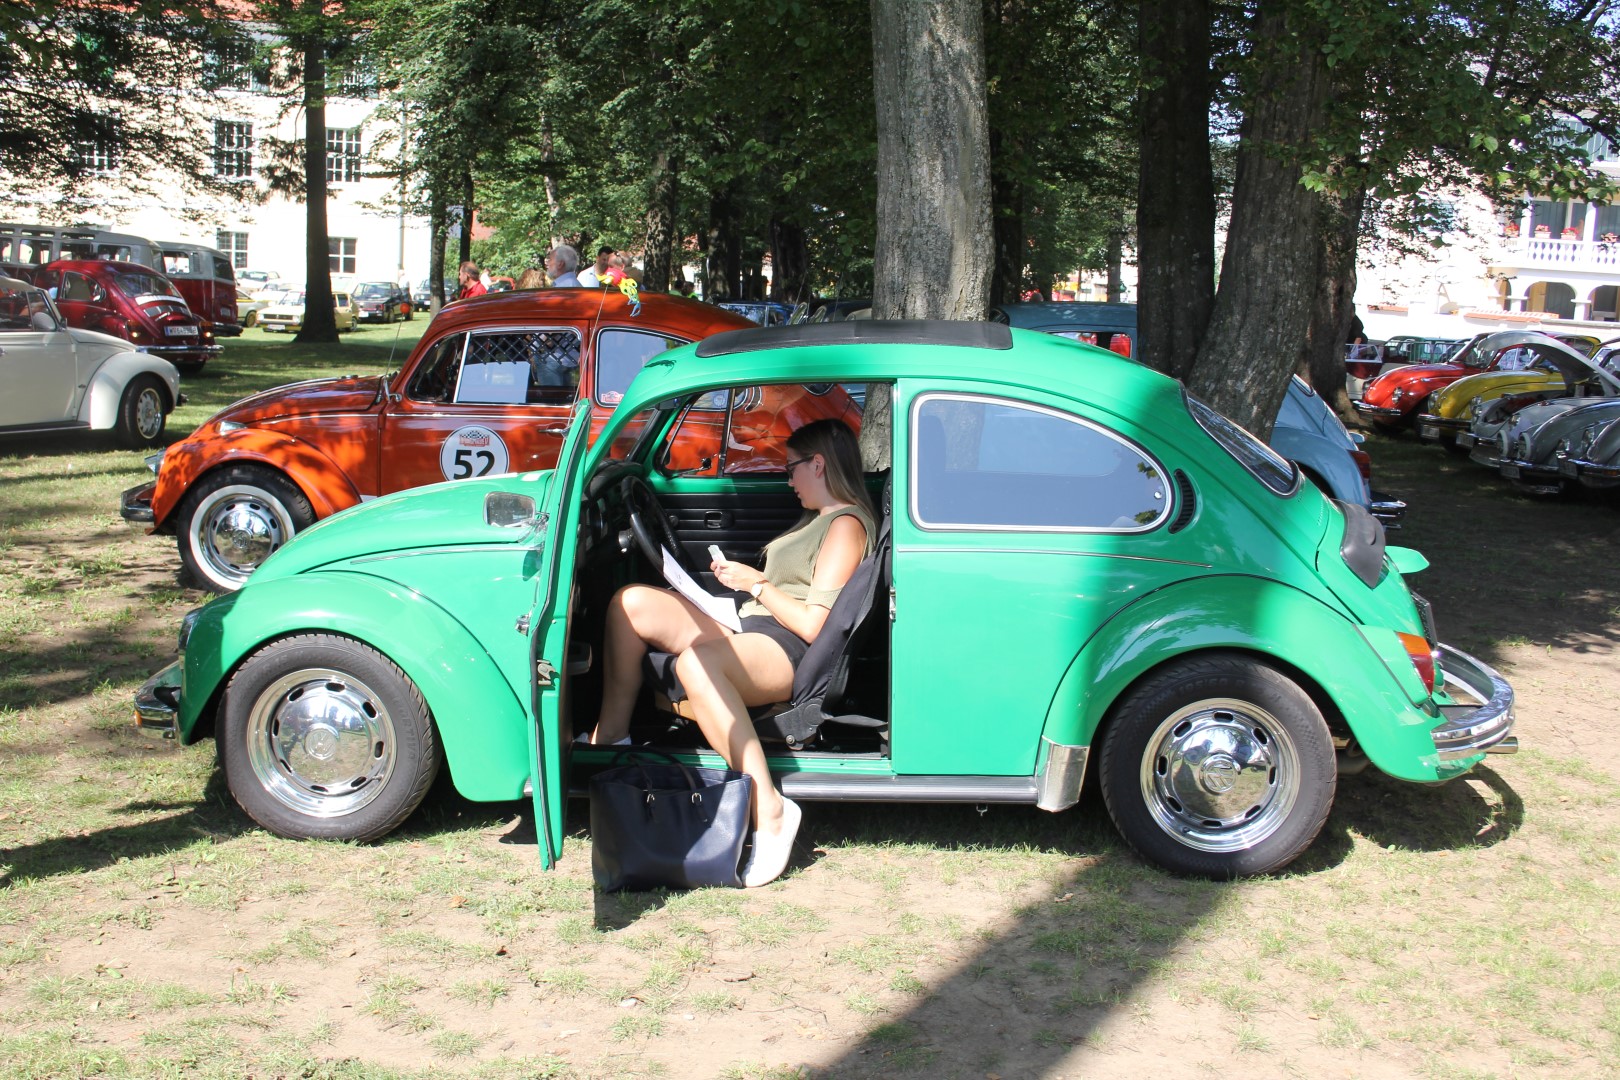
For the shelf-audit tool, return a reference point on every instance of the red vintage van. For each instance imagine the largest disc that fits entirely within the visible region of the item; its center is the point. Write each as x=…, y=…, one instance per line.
x=205, y=278
x=133, y=302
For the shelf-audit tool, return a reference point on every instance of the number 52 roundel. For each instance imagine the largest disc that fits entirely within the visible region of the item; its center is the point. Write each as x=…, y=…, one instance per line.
x=472, y=451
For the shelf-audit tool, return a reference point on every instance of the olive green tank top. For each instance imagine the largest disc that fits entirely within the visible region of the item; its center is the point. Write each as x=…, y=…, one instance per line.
x=790, y=559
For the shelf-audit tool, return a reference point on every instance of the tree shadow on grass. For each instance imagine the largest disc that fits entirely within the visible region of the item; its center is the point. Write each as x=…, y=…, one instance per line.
x=214, y=817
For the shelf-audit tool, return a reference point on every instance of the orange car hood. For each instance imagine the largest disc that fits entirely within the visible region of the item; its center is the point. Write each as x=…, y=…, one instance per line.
x=350, y=394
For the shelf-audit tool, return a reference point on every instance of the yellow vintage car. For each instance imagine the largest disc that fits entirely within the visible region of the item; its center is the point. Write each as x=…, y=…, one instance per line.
x=1521, y=369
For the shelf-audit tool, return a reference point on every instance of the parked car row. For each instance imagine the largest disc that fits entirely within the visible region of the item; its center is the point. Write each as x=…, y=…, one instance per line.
x=1539, y=408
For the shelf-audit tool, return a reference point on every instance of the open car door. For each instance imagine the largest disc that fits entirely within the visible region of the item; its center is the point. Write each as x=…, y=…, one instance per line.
x=548, y=622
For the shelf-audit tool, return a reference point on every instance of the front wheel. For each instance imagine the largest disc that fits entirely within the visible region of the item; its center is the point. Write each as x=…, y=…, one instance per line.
x=1218, y=766
x=141, y=412
x=325, y=738
x=232, y=519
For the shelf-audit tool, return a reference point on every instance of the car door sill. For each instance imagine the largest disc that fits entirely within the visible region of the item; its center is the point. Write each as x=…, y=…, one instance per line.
x=55, y=425
x=847, y=787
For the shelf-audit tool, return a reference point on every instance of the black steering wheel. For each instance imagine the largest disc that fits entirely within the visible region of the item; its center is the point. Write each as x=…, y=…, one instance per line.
x=650, y=525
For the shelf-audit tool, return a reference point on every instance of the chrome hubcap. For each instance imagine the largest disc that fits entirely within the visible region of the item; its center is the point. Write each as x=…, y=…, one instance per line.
x=1220, y=775
x=321, y=742
x=149, y=414
x=236, y=529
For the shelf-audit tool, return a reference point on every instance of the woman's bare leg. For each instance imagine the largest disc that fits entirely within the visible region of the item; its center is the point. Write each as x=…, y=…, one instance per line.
x=723, y=677
x=639, y=617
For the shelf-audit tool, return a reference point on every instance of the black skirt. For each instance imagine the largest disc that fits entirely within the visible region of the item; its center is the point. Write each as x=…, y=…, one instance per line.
x=792, y=644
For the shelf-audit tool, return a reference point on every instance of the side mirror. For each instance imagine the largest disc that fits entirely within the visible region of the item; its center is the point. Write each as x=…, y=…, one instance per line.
x=504, y=510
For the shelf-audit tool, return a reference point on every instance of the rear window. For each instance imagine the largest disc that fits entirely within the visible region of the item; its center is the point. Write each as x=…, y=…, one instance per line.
x=1268, y=466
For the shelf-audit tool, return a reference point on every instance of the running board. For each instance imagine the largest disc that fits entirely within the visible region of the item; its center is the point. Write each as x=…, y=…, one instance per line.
x=836, y=787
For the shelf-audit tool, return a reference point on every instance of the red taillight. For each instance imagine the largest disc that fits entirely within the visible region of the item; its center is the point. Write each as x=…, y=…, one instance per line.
x=1120, y=343
x=1422, y=656
x=1363, y=462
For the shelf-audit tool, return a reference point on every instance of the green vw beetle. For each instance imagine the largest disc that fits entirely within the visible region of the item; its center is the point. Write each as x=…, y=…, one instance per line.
x=1083, y=575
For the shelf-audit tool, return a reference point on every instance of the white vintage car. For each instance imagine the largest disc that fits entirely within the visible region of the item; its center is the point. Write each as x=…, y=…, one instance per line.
x=57, y=378
x=287, y=313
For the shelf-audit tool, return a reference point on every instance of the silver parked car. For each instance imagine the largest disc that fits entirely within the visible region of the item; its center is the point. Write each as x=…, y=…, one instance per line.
x=1522, y=438
x=56, y=378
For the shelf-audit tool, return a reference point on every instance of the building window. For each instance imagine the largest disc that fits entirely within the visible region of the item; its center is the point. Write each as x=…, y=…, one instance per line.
x=342, y=155
x=98, y=154
x=234, y=245
x=341, y=252
x=356, y=81
x=233, y=149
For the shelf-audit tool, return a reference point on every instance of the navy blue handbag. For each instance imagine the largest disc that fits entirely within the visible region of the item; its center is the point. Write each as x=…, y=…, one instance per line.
x=665, y=825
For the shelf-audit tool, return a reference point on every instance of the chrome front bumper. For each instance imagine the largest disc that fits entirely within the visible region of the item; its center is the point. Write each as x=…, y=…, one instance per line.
x=157, y=704
x=1381, y=412
x=1481, y=726
x=1594, y=473
x=135, y=505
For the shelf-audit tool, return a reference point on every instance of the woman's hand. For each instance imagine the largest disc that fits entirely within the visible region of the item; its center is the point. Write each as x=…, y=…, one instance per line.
x=736, y=575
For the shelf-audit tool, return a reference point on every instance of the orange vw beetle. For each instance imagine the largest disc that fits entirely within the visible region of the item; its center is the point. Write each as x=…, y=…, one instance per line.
x=488, y=389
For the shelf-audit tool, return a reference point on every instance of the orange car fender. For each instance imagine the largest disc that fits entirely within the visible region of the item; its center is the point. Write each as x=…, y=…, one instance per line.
x=327, y=487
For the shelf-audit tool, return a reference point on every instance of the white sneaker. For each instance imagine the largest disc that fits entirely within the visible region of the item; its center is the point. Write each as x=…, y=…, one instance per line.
x=771, y=853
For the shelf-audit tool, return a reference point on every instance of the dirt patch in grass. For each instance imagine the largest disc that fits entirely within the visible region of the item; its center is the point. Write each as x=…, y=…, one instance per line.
x=147, y=928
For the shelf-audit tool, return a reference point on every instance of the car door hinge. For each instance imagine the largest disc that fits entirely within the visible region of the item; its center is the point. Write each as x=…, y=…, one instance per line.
x=891, y=603
x=543, y=673
x=522, y=626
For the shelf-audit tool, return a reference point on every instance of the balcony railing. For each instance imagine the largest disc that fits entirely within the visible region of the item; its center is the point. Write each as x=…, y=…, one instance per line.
x=1551, y=253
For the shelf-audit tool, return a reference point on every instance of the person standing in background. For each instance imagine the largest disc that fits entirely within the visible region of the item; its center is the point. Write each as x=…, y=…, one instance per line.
x=591, y=276
x=560, y=265
x=470, y=283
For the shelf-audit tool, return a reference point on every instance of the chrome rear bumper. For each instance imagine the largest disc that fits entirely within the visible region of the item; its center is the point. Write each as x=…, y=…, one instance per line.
x=1481, y=726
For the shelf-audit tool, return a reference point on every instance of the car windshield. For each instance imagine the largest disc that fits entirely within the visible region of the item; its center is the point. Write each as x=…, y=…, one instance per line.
x=135, y=283
x=372, y=292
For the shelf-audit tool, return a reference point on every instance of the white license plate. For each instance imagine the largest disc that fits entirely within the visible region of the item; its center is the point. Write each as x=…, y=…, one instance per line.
x=1465, y=439
x=180, y=331
x=1566, y=467
x=1428, y=431
x=1509, y=470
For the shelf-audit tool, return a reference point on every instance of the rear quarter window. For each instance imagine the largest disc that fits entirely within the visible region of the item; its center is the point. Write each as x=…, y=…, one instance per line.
x=991, y=463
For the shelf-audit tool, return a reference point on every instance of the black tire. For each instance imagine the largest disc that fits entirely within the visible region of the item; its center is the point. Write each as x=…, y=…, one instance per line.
x=1218, y=766
x=142, y=412
x=323, y=737
x=234, y=518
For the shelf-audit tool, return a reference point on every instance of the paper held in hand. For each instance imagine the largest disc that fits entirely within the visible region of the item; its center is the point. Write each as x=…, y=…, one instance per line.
x=722, y=609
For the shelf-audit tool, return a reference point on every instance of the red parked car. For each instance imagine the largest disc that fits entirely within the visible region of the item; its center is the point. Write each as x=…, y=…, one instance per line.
x=490, y=388
x=133, y=302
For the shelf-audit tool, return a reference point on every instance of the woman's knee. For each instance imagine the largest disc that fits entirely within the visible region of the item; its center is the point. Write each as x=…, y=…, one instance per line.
x=700, y=668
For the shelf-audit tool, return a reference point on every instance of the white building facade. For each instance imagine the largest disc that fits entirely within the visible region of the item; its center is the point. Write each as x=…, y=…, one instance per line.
x=371, y=238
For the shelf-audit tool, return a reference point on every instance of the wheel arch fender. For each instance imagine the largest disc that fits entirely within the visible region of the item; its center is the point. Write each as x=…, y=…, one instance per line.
x=105, y=392
x=1335, y=661
x=326, y=486
x=481, y=720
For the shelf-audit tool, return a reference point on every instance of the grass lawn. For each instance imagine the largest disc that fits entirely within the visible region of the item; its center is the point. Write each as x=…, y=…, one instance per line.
x=149, y=929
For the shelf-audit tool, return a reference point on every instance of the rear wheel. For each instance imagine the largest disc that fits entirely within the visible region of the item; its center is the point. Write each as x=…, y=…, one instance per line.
x=1218, y=766
x=142, y=412
x=232, y=519
x=324, y=737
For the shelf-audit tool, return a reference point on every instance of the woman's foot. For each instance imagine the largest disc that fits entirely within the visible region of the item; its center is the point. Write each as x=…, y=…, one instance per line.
x=772, y=850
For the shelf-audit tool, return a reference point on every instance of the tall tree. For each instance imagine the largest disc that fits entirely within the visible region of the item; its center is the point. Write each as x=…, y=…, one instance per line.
x=933, y=257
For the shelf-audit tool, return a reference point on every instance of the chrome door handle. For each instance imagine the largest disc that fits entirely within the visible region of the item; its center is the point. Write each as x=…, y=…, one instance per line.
x=560, y=429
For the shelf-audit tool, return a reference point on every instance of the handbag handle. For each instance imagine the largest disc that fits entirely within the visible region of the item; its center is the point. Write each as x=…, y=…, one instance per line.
x=637, y=758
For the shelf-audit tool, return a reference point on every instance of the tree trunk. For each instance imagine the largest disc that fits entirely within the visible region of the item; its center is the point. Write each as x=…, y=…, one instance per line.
x=1175, y=207
x=790, y=261
x=1263, y=309
x=655, y=270
x=1333, y=306
x=934, y=247
x=464, y=251
x=1116, y=256
x=1007, y=214
x=548, y=158
x=436, y=237
x=320, y=323
x=723, y=280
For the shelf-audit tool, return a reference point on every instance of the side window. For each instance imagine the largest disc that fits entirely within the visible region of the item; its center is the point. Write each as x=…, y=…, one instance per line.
x=988, y=463
x=744, y=429
x=82, y=289
x=222, y=269
x=435, y=380
x=530, y=367
x=622, y=353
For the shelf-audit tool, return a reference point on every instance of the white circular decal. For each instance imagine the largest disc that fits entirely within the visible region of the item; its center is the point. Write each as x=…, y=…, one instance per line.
x=472, y=451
